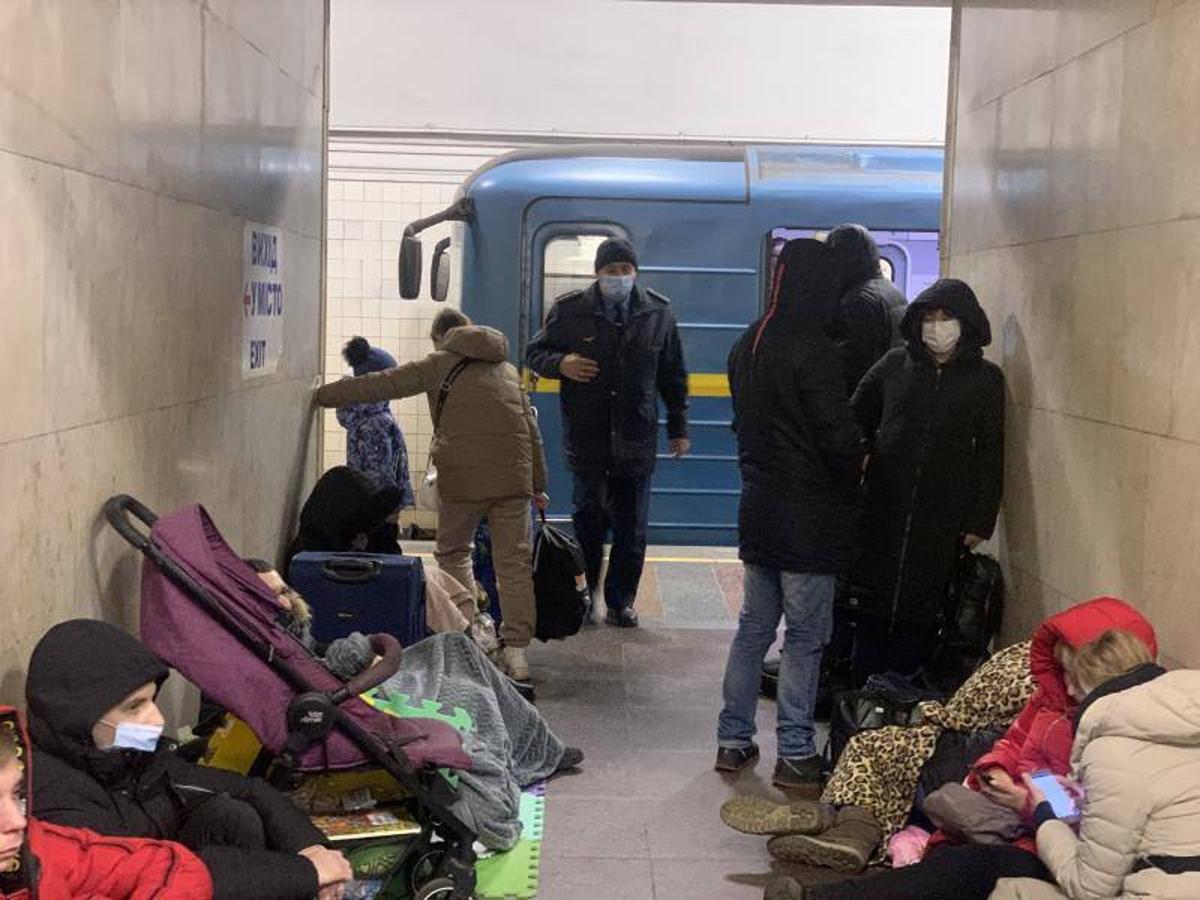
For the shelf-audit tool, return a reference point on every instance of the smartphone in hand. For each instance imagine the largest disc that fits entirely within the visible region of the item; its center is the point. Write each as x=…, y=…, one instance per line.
x=1060, y=801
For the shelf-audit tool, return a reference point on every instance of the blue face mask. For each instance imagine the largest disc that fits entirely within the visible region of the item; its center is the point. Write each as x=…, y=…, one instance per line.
x=616, y=288
x=135, y=736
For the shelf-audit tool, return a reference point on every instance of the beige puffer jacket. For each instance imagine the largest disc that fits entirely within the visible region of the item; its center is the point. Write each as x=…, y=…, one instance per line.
x=1137, y=753
x=487, y=445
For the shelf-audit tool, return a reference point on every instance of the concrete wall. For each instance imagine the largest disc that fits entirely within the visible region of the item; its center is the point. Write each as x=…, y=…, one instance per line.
x=1075, y=212
x=606, y=67
x=136, y=138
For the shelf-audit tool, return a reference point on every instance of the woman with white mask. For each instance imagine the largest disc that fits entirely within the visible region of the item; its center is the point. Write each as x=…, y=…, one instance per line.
x=932, y=413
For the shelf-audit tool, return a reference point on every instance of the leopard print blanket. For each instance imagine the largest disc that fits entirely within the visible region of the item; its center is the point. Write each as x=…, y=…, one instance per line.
x=879, y=769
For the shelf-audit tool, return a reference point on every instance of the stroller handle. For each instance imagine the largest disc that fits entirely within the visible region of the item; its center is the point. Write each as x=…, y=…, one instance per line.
x=118, y=509
x=384, y=645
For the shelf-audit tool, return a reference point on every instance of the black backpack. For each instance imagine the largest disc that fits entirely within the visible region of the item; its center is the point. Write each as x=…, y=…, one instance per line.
x=559, y=584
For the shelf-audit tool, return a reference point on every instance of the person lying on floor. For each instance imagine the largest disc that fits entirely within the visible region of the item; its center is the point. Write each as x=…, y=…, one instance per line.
x=1136, y=755
x=511, y=746
x=101, y=765
x=1039, y=740
x=39, y=861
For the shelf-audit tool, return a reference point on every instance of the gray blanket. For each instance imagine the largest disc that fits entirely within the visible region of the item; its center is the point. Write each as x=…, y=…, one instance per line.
x=510, y=744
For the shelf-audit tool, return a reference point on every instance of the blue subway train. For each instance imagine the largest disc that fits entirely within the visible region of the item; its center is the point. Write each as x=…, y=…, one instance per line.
x=707, y=223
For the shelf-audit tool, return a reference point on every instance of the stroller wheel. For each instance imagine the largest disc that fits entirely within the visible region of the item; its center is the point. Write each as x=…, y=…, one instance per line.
x=438, y=889
x=425, y=867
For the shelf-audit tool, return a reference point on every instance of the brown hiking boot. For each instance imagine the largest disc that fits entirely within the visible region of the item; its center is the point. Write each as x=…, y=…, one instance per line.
x=846, y=847
x=758, y=815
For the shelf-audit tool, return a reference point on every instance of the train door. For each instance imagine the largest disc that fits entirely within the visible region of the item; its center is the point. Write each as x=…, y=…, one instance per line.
x=704, y=258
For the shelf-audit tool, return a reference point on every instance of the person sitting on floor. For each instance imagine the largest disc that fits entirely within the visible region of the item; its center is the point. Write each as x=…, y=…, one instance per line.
x=1039, y=740
x=349, y=511
x=1136, y=755
x=40, y=860
x=96, y=727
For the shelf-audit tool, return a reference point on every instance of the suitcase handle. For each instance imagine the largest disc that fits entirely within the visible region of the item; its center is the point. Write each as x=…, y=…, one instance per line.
x=351, y=570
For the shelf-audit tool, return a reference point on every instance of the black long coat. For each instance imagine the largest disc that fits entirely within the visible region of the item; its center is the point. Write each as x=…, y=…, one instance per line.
x=936, y=471
x=799, y=446
x=611, y=423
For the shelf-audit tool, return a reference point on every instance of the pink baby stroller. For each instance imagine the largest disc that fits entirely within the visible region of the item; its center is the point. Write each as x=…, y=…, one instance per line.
x=205, y=612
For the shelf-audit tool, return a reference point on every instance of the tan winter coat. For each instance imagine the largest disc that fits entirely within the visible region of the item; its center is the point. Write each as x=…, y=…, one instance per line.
x=1137, y=753
x=487, y=445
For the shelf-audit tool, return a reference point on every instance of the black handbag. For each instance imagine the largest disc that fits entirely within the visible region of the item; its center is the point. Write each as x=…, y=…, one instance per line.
x=885, y=700
x=559, y=584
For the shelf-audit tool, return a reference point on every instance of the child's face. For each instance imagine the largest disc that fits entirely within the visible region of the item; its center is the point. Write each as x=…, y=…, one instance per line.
x=284, y=595
x=12, y=814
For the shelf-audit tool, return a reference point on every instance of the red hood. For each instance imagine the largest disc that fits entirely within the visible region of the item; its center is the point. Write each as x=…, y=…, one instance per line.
x=1077, y=626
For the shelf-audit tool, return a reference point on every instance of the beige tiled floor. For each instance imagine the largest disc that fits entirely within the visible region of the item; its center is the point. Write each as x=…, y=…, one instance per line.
x=640, y=819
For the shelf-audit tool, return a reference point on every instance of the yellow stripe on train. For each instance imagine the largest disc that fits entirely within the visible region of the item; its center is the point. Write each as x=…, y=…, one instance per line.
x=700, y=384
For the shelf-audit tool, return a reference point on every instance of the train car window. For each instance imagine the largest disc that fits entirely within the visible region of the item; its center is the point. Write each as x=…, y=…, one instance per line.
x=909, y=259
x=567, y=265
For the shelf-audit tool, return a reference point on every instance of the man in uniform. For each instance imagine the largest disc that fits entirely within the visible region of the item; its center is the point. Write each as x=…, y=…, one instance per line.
x=615, y=346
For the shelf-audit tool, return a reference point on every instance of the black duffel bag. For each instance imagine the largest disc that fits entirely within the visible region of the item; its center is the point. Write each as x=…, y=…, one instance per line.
x=887, y=699
x=559, y=584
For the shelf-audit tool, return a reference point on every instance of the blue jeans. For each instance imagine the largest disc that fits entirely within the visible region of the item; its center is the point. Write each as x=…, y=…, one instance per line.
x=805, y=602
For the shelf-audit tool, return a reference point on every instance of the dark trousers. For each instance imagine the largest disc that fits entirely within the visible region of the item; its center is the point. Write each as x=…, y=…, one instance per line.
x=605, y=503
x=222, y=821
x=966, y=872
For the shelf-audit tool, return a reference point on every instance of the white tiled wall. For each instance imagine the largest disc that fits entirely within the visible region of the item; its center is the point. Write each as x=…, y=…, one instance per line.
x=366, y=219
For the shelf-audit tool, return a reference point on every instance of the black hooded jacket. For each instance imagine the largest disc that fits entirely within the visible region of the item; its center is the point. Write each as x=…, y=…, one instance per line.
x=936, y=439
x=799, y=447
x=871, y=308
x=81, y=669
x=345, y=507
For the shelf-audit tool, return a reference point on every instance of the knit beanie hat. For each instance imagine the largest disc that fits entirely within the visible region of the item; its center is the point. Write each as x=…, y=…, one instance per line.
x=615, y=250
x=364, y=358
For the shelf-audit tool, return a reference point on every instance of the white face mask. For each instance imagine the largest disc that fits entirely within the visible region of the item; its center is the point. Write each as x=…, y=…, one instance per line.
x=135, y=736
x=941, y=335
x=616, y=288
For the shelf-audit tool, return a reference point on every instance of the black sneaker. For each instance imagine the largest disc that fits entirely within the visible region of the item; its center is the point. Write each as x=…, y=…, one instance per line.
x=734, y=759
x=621, y=618
x=571, y=759
x=798, y=772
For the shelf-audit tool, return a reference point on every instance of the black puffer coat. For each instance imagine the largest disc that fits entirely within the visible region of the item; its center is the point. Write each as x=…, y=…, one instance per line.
x=79, y=671
x=611, y=423
x=871, y=307
x=799, y=446
x=936, y=438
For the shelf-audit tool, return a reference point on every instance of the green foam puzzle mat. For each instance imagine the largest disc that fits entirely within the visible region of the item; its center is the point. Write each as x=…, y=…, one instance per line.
x=514, y=874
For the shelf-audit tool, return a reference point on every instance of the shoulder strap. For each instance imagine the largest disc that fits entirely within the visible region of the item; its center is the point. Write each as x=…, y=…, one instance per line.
x=444, y=390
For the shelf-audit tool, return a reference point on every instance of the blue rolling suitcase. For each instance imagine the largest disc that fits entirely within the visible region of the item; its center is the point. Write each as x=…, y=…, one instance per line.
x=364, y=592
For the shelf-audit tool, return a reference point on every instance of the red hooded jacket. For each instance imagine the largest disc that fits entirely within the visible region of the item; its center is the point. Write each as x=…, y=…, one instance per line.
x=1041, y=737
x=76, y=864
